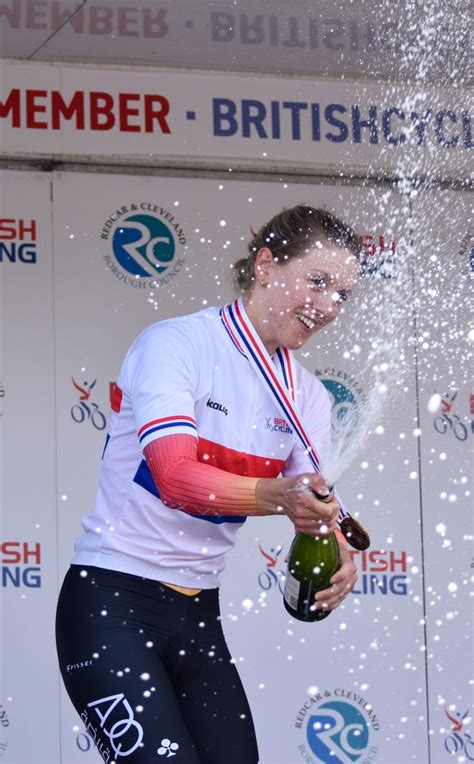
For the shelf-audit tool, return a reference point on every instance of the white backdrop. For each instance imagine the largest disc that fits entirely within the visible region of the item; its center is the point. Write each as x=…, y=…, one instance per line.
x=67, y=320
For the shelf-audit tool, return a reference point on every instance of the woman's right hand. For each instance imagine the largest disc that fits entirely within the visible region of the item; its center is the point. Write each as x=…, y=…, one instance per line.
x=294, y=497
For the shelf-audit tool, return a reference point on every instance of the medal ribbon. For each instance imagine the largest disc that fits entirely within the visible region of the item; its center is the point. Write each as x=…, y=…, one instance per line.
x=244, y=336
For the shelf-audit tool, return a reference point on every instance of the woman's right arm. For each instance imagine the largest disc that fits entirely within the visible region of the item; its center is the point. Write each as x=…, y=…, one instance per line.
x=202, y=489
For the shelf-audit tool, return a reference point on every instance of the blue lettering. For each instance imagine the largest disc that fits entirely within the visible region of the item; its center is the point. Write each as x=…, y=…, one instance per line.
x=295, y=109
x=256, y=119
x=339, y=124
x=386, y=126
x=439, y=128
x=275, y=107
x=466, y=128
x=224, y=111
x=358, y=124
x=316, y=121
x=420, y=123
x=223, y=27
x=30, y=577
x=26, y=252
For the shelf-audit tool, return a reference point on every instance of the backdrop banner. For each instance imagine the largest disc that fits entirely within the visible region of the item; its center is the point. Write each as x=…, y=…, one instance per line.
x=391, y=662
x=154, y=116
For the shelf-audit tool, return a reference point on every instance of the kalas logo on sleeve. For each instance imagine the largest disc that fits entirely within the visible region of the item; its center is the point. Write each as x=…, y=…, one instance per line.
x=147, y=244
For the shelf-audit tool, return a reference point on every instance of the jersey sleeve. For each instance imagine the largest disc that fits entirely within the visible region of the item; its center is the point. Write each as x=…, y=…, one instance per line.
x=162, y=375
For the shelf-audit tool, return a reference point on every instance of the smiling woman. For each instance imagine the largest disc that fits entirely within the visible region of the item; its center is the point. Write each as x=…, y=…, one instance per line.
x=301, y=267
x=197, y=445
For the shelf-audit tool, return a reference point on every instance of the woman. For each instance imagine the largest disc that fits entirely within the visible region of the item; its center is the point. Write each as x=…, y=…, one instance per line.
x=189, y=456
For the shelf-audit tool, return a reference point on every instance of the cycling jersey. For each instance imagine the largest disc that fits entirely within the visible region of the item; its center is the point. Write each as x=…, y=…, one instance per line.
x=190, y=375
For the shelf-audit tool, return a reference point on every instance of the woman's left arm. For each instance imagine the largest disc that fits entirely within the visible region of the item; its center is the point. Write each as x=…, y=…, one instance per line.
x=342, y=582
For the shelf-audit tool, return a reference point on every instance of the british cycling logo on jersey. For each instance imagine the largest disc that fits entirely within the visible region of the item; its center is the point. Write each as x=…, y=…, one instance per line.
x=340, y=727
x=346, y=397
x=146, y=245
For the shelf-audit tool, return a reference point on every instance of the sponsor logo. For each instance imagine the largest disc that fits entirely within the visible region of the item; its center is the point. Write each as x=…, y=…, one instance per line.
x=216, y=406
x=167, y=748
x=346, y=397
x=450, y=423
x=378, y=256
x=75, y=666
x=339, y=726
x=4, y=724
x=458, y=740
x=15, y=564
x=313, y=122
x=276, y=424
x=86, y=410
x=18, y=240
x=273, y=577
x=118, y=724
x=145, y=240
x=381, y=572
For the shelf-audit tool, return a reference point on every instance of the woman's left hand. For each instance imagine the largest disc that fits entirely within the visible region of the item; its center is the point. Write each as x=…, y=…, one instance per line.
x=342, y=582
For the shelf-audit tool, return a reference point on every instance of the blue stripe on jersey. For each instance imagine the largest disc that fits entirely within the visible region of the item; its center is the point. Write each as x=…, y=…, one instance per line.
x=144, y=479
x=164, y=426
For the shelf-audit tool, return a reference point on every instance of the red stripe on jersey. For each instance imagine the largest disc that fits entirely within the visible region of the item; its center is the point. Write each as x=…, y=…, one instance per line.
x=237, y=462
x=116, y=396
x=177, y=419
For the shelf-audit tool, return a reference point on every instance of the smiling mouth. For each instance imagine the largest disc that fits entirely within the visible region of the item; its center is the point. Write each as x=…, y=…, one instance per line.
x=307, y=322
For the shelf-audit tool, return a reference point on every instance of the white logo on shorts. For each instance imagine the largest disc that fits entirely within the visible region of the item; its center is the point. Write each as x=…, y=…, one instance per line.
x=167, y=747
x=126, y=731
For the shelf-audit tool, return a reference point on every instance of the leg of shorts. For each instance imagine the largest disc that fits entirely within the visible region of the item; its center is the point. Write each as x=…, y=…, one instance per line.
x=110, y=638
x=209, y=689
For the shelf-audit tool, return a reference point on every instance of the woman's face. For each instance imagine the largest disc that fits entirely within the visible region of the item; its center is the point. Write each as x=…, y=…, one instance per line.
x=291, y=302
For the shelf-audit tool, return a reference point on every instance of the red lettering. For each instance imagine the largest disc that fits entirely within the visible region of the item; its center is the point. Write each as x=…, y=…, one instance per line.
x=13, y=14
x=159, y=114
x=149, y=23
x=59, y=108
x=392, y=246
x=10, y=552
x=400, y=561
x=33, y=108
x=12, y=104
x=34, y=12
x=126, y=111
x=368, y=244
x=101, y=105
x=7, y=231
x=35, y=553
x=22, y=229
x=60, y=17
x=101, y=20
x=124, y=21
x=377, y=562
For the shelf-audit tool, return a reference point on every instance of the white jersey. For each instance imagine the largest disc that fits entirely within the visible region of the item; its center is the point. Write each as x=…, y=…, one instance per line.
x=188, y=375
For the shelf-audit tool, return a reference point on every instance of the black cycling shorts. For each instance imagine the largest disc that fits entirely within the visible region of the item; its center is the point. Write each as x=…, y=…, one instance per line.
x=149, y=672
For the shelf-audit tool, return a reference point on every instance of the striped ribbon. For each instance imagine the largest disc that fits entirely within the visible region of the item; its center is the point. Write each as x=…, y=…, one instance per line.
x=244, y=336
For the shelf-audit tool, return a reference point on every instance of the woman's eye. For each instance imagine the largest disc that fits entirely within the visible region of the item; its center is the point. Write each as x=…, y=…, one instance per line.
x=319, y=282
x=340, y=296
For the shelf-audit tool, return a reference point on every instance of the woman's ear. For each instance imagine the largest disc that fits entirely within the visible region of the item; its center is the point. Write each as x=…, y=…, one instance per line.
x=263, y=263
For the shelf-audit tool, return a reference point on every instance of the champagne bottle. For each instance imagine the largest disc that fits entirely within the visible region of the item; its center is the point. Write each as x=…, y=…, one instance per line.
x=312, y=561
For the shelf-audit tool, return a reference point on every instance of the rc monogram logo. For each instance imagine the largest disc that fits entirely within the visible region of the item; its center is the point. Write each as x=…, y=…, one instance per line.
x=147, y=244
x=346, y=398
x=339, y=727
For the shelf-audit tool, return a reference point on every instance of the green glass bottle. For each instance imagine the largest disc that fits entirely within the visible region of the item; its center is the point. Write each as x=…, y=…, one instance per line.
x=312, y=561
